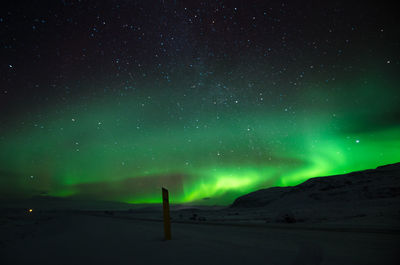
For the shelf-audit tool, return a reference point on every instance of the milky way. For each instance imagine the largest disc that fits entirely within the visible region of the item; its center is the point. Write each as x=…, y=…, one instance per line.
x=212, y=100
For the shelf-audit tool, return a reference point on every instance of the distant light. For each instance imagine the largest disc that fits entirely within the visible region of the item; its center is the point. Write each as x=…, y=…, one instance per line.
x=357, y=141
x=31, y=177
x=30, y=210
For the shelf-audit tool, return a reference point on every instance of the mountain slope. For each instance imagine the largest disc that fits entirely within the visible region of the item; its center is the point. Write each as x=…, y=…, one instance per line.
x=374, y=192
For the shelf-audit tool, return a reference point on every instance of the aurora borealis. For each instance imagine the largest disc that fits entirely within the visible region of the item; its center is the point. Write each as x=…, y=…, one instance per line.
x=211, y=99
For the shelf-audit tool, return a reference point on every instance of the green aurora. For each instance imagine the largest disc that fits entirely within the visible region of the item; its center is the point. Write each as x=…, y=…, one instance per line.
x=127, y=150
x=112, y=100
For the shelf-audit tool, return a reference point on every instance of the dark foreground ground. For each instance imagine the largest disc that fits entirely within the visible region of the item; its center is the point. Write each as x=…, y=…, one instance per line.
x=82, y=238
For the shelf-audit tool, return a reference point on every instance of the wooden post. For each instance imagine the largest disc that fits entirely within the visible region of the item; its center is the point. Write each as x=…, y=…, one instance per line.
x=167, y=222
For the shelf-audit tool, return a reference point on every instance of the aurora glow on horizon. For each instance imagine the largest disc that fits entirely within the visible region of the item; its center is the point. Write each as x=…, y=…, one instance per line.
x=208, y=121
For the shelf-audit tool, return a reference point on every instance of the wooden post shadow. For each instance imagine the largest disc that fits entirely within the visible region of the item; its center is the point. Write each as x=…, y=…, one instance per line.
x=167, y=222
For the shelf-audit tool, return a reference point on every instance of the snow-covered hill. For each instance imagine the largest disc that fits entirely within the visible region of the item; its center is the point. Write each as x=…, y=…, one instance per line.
x=374, y=192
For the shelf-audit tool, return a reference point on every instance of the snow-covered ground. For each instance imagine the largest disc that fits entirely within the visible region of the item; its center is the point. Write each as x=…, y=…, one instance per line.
x=83, y=238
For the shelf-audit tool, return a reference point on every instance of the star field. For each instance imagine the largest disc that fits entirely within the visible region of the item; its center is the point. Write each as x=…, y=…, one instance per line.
x=111, y=100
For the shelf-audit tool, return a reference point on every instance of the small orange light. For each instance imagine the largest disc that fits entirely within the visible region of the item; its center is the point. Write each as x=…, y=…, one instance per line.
x=30, y=210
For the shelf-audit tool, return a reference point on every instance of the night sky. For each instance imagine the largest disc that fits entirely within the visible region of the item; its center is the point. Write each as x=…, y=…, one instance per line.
x=110, y=100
